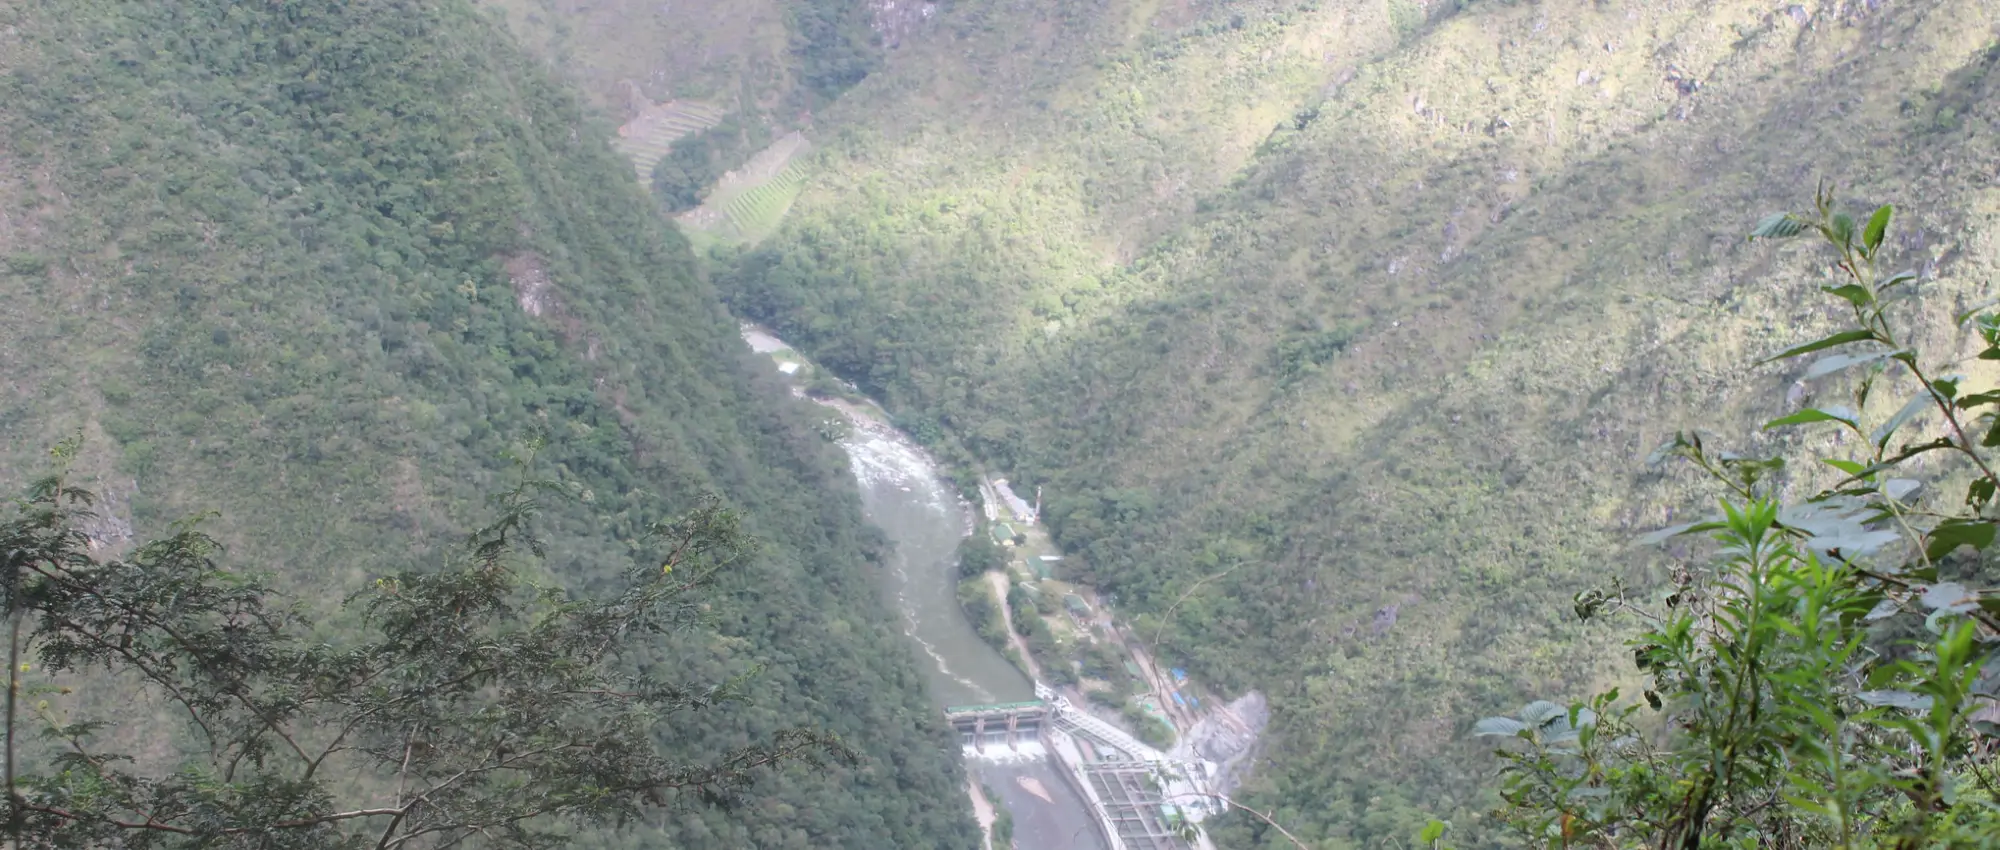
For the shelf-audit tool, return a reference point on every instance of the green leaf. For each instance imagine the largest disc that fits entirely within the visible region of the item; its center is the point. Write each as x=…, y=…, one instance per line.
x=1950, y=596
x=1895, y=699
x=1878, y=227
x=1954, y=533
x=1673, y=531
x=1751, y=470
x=1841, y=230
x=1917, y=404
x=1979, y=492
x=1588, y=602
x=1505, y=727
x=1778, y=226
x=1836, y=524
x=1835, y=362
x=1977, y=399
x=1842, y=338
x=1540, y=712
x=1992, y=437
x=1909, y=451
x=1851, y=544
x=1684, y=444
x=1431, y=832
x=1883, y=610
x=1855, y=293
x=1850, y=467
x=1881, y=676
x=1895, y=280
x=1966, y=314
x=1814, y=414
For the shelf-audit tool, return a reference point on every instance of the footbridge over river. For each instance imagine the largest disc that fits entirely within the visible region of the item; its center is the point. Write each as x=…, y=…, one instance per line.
x=1143, y=799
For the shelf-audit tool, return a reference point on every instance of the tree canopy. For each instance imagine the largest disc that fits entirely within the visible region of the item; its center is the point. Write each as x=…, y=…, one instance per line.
x=979, y=554
x=475, y=703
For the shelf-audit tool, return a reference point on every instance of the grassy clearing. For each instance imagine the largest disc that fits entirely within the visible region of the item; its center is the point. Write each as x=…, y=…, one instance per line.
x=749, y=204
x=755, y=213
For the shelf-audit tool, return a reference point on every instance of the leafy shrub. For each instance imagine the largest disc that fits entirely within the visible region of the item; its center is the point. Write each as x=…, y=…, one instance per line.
x=492, y=707
x=978, y=555
x=1822, y=682
x=975, y=598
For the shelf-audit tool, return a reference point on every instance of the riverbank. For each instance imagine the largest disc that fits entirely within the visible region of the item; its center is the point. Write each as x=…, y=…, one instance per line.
x=982, y=811
x=1055, y=631
x=924, y=519
x=999, y=582
x=1075, y=642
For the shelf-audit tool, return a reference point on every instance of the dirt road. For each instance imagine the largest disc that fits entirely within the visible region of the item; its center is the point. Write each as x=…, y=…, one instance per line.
x=982, y=810
x=999, y=581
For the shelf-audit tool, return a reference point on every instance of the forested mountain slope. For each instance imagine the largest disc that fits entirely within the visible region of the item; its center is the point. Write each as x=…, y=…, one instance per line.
x=705, y=87
x=776, y=55
x=1375, y=307
x=321, y=267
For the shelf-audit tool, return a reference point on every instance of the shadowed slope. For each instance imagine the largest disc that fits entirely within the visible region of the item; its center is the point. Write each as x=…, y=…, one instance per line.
x=1409, y=361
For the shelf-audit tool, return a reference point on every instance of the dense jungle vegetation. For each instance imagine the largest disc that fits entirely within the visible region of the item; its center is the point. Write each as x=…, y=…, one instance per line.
x=1375, y=311
x=322, y=269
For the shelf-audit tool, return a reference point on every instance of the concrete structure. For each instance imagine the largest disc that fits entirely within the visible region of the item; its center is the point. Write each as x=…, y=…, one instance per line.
x=1007, y=724
x=1143, y=799
x=1016, y=505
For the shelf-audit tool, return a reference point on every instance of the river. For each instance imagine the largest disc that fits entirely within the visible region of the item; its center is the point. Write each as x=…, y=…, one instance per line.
x=904, y=496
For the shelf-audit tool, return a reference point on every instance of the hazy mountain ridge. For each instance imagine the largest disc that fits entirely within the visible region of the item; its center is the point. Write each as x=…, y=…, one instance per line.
x=319, y=267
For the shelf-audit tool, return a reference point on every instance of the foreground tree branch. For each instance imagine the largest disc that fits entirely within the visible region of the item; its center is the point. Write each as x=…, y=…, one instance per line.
x=1827, y=678
x=478, y=704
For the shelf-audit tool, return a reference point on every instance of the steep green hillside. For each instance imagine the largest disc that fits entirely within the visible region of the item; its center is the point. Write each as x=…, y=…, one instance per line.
x=1385, y=305
x=317, y=267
